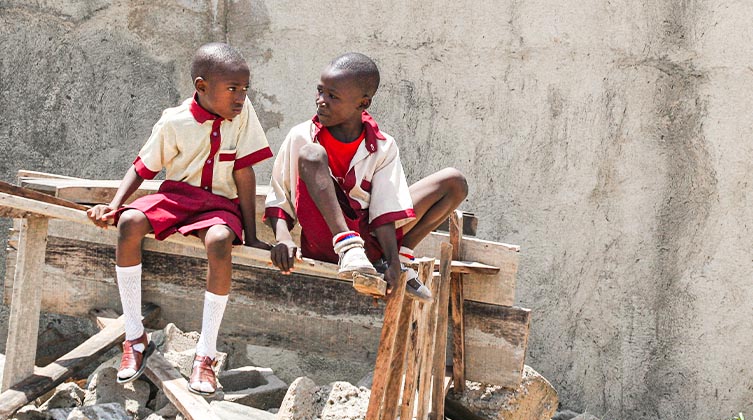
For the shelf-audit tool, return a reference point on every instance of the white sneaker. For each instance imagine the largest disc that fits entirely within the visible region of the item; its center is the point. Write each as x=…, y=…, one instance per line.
x=415, y=288
x=353, y=258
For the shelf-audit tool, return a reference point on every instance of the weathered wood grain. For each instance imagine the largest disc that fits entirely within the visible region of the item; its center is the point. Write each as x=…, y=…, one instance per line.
x=440, y=358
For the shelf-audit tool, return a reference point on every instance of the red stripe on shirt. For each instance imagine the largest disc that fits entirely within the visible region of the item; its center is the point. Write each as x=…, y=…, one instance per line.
x=142, y=170
x=392, y=216
x=253, y=158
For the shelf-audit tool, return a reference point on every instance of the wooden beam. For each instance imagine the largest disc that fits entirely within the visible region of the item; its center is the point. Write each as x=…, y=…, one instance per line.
x=23, y=323
x=385, y=353
x=36, y=195
x=428, y=351
x=47, y=378
x=456, y=305
x=439, y=365
x=496, y=288
x=488, y=330
x=23, y=173
x=175, y=387
x=395, y=382
x=370, y=285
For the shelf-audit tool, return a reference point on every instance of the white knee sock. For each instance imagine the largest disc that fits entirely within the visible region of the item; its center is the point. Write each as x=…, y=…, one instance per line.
x=129, y=286
x=214, y=308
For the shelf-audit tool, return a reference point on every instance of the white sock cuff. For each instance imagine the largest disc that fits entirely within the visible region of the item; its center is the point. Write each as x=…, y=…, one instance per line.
x=134, y=269
x=406, y=254
x=211, y=297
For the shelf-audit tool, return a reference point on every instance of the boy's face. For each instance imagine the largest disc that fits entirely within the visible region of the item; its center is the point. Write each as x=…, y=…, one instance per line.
x=224, y=92
x=339, y=99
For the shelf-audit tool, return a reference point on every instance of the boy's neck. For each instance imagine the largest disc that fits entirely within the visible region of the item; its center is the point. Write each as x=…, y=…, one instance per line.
x=347, y=132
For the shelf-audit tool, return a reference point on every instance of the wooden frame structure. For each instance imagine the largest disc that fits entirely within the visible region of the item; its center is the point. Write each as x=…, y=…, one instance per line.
x=410, y=375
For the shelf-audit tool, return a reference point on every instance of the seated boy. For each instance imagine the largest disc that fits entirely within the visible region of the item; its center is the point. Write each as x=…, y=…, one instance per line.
x=208, y=145
x=340, y=177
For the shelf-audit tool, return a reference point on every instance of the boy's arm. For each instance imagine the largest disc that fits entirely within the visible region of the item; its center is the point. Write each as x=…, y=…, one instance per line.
x=385, y=235
x=245, y=181
x=101, y=214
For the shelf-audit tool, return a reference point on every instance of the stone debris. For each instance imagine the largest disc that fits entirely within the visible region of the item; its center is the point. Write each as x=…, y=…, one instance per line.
x=67, y=395
x=103, y=388
x=534, y=399
x=336, y=401
x=585, y=416
x=253, y=386
x=179, y=348
x=109, y=411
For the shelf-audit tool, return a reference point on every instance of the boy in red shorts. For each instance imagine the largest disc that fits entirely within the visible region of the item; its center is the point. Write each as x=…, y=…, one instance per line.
x=340, y=177
x=207, y=145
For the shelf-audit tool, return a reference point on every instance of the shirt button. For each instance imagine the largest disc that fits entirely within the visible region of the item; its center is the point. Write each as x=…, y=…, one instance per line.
x=214, y=134
x=209, y=162
x=206, y=188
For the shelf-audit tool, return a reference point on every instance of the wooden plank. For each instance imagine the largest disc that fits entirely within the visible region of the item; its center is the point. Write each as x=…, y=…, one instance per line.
x=415, y=345
x=470, y=225
x=395, y=382
x=386, y=347
x=427, y=354
x=36, y=195
x=87, y=191
x=456, y=305
x=23, y=322
x=496, y=338
x=175, y=387
x=47, y=378
x=23, y=173
x=439, y=365
x=498, y=288
x=369, y=285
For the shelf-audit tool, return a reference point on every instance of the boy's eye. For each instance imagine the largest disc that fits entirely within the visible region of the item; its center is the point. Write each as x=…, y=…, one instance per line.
x=231, y=88
x=245, y=88
x=332, y=96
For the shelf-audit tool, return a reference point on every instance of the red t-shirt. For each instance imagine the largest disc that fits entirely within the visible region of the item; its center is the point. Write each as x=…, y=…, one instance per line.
x=339, y=154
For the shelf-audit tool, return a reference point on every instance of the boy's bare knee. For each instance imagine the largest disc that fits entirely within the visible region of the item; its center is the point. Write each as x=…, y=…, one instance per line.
x=455, y=182
x=219, y=241
x=132, y=224
x=312, y=155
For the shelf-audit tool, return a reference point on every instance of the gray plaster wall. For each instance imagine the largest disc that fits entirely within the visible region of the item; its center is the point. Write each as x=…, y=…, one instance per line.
x=609, y=139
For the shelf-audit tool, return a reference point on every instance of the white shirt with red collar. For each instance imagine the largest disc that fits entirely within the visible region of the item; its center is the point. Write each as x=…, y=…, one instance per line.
x=202, y=149
x=374, y=186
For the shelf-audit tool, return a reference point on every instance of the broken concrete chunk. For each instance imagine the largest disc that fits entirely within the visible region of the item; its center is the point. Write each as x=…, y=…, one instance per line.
x=534, y=399
x=226, y=410
x=31, y=412
x=109, y=411
x=338, y=400
x=585, y=416
x=253, y=386
x=103, y=389
x=179, y=348
x=66, y=395
x=565, y=415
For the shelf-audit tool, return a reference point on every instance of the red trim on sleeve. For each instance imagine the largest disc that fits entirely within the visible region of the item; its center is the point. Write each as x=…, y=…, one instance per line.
x=253, y=158
x=142, y=170
x=392, y=217
x=278, y=213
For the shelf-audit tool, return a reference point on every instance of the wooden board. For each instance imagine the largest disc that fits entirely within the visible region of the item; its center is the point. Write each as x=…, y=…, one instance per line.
x=439, y=366
x=47, y=378
x=496, y=338
x=498, y=288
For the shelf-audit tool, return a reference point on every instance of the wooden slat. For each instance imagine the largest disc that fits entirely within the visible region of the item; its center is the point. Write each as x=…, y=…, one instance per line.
x=47, y=378
x=427, y=354
x=369, y=285
x=415, y=344
x=175, y=387
x=496, y=338
x=23, y=322
x=456, y=305
x=395, y=381
x=440, y=343
x=23, y=173
x=386, y=348
x=36, y=195
x=498, y=288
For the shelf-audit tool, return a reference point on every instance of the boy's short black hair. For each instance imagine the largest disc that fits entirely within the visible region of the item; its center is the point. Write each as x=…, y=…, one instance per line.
x=213, y=57
x=363, y=68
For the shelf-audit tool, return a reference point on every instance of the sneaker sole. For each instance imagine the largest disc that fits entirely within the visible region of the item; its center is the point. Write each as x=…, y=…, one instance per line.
x=348, y=274
x=202, y=393
x=147, y=352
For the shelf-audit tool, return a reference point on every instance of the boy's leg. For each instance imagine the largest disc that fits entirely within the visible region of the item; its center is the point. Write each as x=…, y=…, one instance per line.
x=313, y=169
x=434, y=198
x=132, y=226
x=218, y=241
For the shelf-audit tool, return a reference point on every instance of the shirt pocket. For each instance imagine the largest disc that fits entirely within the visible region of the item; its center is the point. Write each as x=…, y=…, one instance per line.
x=225, y=164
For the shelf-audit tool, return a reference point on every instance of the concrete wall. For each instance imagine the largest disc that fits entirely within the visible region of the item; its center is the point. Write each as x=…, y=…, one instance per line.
x=608, y=139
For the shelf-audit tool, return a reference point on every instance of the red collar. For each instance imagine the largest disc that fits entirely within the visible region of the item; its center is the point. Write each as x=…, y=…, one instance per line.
x=200, y=114
x=370, y=126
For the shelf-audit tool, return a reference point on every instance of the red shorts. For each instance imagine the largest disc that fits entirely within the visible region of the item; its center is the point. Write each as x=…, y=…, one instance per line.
x=180, y=207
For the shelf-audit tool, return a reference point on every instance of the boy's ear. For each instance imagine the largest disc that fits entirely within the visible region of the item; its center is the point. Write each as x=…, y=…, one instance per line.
x=200, y=84
x=365, y=103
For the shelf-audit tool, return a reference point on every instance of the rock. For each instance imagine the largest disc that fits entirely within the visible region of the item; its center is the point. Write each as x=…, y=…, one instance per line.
x=585, y=416
x=67, y=395
x=226, y=410
x=104, y=389
x=534, y=399
x=565, y=415
x=253, y=386
x=111, y=363
x=31, y=412
x=154, y=416
x=109, y=411
x=179, y=348
x=336, y=401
